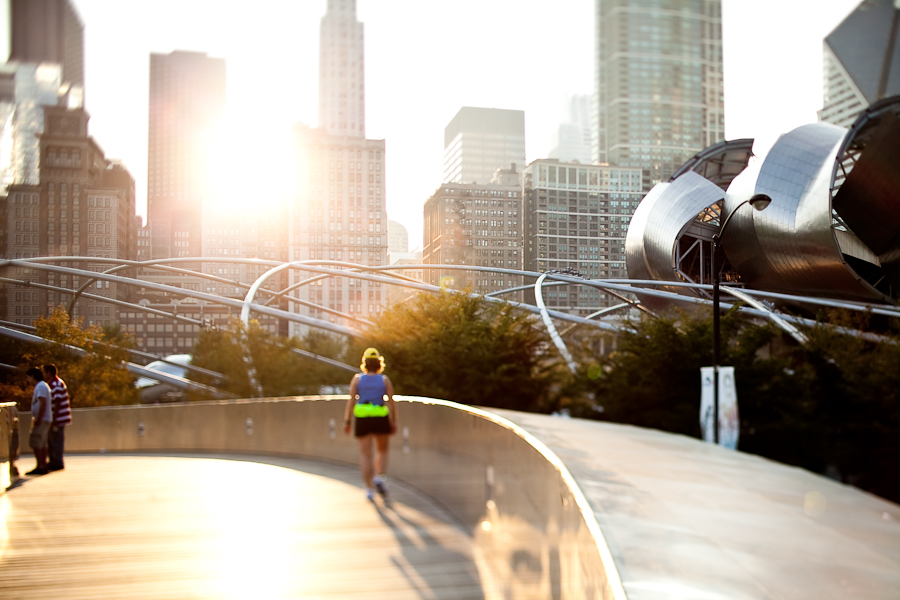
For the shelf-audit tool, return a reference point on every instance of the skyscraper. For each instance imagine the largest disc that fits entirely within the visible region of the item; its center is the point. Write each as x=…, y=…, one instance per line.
x=25, y=89
x=658, y=94
x=478, y=141
x=187, y=102
x=861, y=61
x=48, y=31
x=338, y=209
x=342, y=97
x=576, y=217
x=572, y=140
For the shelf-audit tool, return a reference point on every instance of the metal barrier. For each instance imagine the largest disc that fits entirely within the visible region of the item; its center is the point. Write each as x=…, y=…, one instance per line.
x=534, y=534
x=9, y=437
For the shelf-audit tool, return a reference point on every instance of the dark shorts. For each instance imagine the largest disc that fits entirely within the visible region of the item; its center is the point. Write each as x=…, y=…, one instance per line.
x=367, y=425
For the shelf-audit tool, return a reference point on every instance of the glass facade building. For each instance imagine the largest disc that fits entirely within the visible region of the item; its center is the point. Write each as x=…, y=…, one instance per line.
x=25, y=89
x=658, y=93
x=861, y=61
x=48, y=31
x=478, y=141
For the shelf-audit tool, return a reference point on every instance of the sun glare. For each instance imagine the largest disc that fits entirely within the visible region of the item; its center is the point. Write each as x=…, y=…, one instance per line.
x=249, y=167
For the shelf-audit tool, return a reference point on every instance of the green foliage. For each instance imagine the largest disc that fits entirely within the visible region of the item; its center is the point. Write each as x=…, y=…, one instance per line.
x=831, y=405
x=96, y=379
x=652, y=379
x=278, y=370
x=314, y=374
x=841, y=407
x=466, y=349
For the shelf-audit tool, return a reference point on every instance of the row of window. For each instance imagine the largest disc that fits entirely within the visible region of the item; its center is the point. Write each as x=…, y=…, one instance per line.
x=471, y=192
x=351, y=226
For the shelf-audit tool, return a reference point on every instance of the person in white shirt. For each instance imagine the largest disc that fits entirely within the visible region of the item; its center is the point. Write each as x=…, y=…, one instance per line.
x=41, y=414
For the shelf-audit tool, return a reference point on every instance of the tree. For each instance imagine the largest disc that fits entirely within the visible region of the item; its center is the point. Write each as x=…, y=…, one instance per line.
x=831, y=405
x=841, y=415
x=313, y=375
x=276, y=368
x=466, y=349
x=94, y=378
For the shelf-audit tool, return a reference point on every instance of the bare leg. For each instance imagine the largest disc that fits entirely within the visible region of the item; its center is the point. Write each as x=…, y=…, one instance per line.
x=365, y=460
x=381, y=452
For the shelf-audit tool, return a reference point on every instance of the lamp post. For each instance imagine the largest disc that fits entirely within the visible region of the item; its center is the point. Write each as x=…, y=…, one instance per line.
x=759, y=202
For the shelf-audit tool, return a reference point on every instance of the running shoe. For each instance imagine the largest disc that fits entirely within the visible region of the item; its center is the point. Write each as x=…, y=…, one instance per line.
x=370, y=495
x=381, y=486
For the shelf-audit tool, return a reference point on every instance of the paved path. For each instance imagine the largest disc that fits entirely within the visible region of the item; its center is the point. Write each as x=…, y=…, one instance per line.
x=688, y=520
x=185, y=527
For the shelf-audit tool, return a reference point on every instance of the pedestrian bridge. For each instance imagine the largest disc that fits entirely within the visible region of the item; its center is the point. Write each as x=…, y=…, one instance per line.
x=261, y=499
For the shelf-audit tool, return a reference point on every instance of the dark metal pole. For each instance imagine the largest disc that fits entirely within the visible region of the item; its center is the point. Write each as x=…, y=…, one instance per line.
x=715, y=278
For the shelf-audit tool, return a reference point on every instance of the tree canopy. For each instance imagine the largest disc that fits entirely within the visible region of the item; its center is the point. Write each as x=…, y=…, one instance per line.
x=831, y=405
x=97, y=378
x=277, y=369
x=466, y=349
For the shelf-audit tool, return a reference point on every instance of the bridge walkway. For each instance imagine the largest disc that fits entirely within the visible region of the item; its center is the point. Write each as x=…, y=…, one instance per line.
x=189, y=526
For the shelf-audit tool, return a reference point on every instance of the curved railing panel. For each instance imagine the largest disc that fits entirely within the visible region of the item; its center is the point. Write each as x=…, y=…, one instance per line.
x=8, y=435
x=535, y=535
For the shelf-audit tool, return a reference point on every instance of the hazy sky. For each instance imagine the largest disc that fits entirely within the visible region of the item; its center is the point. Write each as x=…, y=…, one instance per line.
x=424, y=60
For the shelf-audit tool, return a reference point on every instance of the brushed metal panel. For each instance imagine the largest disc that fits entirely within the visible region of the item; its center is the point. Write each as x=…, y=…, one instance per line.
x=635, y=256
x=794, y=233
x=671, y=210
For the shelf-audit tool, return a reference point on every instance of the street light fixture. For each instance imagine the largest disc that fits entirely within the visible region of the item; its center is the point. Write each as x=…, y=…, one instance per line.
x=758, y=202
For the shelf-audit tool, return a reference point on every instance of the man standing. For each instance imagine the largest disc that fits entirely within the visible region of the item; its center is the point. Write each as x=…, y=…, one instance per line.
x=40, y=422
x=62, y=416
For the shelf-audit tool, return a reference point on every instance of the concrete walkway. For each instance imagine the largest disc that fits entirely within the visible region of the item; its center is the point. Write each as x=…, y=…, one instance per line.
x=688, y=520
x=184, y=527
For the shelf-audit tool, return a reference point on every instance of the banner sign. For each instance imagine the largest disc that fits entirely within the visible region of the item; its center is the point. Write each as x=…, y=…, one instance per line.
x=729, y=421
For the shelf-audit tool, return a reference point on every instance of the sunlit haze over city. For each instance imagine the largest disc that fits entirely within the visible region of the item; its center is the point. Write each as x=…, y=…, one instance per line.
x=424, y=60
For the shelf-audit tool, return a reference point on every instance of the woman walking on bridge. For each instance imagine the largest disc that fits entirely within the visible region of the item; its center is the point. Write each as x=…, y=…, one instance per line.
x=372, y=404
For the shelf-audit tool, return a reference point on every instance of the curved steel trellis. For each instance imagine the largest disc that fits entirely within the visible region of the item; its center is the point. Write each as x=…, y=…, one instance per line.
x=551, y=328
x=619, y=288
x=139, y=370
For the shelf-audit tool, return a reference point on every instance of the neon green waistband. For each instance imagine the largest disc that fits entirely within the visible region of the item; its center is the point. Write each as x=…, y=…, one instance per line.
x=361, y=411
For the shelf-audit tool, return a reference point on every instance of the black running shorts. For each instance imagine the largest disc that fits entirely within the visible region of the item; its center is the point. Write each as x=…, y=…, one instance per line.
x=367, y=425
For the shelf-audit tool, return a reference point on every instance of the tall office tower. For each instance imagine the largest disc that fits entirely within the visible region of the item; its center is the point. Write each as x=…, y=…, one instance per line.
x=576, y=217
x=187, y=104
x=338, y=210
x=658, y=94
x=572, y=139
x=478, y=141
x=471, y=224
x=861, y=61
x=338, y=214
x=342, y=93
x=84, y=205
x=25, y=88
x=48, y=31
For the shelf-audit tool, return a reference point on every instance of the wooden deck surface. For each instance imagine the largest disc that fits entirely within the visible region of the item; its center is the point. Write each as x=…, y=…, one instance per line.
x=158, y=527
